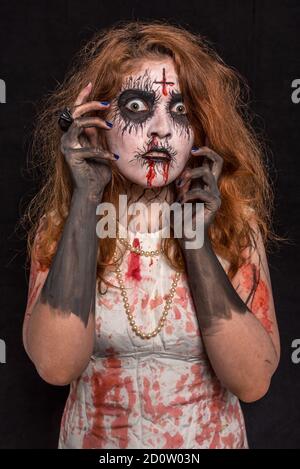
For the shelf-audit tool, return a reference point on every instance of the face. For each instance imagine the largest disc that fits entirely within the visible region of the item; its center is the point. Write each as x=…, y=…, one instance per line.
x=151, y=130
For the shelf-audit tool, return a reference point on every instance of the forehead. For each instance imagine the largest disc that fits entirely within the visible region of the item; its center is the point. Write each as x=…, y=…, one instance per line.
x=154, y=73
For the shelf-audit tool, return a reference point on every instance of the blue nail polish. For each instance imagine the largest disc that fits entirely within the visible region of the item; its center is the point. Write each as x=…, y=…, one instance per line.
x=195, y=148
x=105, y=103
x=179, y=181
x=116, y=156
x=109, y=124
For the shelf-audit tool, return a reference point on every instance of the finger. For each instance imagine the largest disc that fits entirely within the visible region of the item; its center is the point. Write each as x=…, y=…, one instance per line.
x=197, y=194
x=192, y=173
x=207, y=169
x=215, y=158
x=184, y=189
x=83, y=95
x=81, y=109
x=210, y=182
x=90, y=153
x=88, y=107
x=93, y=121
x=82, y=123
x=92, y=135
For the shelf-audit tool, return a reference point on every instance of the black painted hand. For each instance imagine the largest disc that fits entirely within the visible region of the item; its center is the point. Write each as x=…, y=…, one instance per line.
x=71, y=282
x=89, y=164
x=204, y=178
x=212, y=292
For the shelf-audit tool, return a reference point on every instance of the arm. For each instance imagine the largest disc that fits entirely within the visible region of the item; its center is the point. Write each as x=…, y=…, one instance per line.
x=236, y=319
x=59, y=323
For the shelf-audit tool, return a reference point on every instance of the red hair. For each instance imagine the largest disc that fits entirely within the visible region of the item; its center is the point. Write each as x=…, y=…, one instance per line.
x=213, y=94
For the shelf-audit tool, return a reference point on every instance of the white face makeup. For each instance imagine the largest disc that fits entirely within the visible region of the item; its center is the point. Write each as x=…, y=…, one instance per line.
x=151, y=131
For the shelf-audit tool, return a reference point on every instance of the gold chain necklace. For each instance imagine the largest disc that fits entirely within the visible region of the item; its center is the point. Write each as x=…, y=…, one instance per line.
x=137, y=330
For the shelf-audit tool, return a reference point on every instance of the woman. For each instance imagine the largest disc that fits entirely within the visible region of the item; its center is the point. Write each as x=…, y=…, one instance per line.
x=174, y=336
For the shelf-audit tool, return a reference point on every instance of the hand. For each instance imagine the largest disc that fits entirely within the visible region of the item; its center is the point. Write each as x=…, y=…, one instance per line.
x=89, y=164
x=206, y=188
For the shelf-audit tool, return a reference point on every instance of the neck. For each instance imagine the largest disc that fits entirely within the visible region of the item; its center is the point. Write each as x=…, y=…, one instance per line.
x=149, y=196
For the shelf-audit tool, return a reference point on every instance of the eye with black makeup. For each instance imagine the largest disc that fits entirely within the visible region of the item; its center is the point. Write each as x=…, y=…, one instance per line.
x=177, y=110
x=136, y=106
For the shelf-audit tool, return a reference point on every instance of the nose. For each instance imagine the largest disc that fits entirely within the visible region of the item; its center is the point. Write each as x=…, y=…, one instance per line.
x=160, y=124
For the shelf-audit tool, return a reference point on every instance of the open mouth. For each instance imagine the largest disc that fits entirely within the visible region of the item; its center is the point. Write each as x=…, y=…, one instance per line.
x=157, y=157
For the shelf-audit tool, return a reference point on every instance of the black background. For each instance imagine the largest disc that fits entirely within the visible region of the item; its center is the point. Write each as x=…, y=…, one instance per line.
x=37, y=41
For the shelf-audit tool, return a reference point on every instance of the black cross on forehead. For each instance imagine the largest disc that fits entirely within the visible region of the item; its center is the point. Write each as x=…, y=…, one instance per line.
x=164, y=83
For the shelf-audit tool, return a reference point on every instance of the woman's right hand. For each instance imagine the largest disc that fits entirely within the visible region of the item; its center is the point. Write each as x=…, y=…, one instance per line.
x=89, y=164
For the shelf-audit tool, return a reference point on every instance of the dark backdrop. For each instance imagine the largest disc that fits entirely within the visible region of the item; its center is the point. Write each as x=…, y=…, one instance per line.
x=37, y=41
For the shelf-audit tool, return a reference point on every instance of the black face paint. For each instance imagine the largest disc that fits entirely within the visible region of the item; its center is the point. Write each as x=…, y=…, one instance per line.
x=140, y=88
x=133, y=118
x=165, y=147
x=180, y=120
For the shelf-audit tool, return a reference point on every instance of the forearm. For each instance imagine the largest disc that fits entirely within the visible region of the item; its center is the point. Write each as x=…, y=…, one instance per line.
x=239, y=348
x=70, y=285
x=60, y=330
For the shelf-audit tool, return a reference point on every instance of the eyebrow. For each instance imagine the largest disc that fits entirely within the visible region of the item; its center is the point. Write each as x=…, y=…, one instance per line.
x=133, y=92
x=176, y=96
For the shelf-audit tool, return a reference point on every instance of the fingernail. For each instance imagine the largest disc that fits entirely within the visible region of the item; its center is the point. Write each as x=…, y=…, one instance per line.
x=89, y=84
x=116, y=156
x=109, y=124
x=105, y=103
x=179, y=181
x=195, y=148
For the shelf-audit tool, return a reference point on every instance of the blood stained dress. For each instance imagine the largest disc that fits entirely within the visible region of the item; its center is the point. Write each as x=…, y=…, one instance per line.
x=149, y=393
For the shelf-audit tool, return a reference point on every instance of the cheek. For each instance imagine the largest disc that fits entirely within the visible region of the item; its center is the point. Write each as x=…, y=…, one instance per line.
x=127, y=141
x=184, y=147
x=182, y=162
x=116, y=142
x=110, y=138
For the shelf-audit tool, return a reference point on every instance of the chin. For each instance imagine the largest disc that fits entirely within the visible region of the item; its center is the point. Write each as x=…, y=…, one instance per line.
x=156, y=184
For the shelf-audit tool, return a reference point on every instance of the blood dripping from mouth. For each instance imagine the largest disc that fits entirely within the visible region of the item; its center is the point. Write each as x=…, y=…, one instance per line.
x=151, y=169
x=150, y=174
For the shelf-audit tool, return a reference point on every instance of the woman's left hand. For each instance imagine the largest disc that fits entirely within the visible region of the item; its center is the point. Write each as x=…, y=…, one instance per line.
x=206, y=189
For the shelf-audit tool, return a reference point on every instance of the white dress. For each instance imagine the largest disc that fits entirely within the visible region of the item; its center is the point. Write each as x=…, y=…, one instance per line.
x=155, y=393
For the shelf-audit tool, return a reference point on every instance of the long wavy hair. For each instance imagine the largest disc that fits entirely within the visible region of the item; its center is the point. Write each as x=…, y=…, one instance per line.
x=216, y=97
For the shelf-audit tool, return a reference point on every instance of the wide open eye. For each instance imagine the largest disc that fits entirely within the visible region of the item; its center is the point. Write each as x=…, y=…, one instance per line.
x=136, y=105
x=179, y=108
